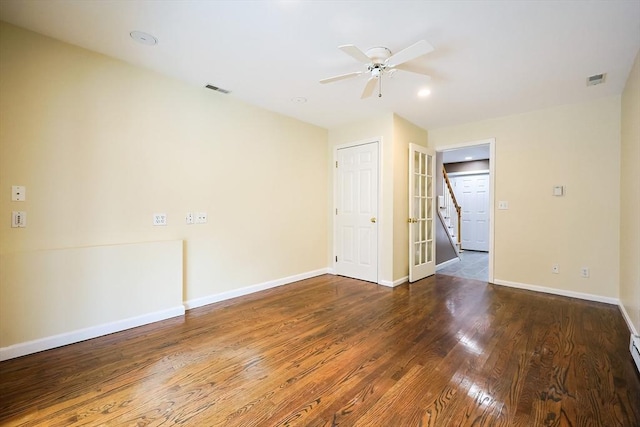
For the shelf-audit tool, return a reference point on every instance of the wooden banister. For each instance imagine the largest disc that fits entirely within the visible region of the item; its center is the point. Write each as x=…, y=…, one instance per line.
x=455, y=202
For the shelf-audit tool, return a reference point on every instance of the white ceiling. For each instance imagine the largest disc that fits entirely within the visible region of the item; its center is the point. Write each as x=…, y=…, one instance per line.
x=492, y=58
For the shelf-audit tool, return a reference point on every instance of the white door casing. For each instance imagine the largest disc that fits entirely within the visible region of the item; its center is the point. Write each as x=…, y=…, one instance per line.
x=356, y=213
x=492, y=189
x=422, y=205
x=472, y=192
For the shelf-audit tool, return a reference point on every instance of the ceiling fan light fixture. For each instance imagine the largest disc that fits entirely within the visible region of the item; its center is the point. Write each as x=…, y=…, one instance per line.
x=379, y=61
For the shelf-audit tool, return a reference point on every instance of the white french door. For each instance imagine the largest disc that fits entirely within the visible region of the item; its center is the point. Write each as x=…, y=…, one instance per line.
x=422, y=182
x=357, y=212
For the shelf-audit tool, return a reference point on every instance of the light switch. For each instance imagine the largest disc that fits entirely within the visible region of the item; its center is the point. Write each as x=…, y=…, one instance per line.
x=558, y=190
x=18, y=193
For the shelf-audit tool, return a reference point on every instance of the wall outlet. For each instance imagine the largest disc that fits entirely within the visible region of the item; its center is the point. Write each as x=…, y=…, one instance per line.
x=555, y=269
x=159, y=219
x=18, y=219
x=201, y=217
x=503, y=204
x=584, y=272
x=189, y=218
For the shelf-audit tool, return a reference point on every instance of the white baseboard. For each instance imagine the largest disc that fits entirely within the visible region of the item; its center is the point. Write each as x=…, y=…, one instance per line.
x=447, y=263
x=54, y=341
x=554, y=291
x=627, y=319
x=210, y=299
x=395, y=283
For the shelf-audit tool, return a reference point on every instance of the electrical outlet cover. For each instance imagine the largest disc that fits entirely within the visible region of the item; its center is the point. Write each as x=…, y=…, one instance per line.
x=160, y=219
x=201, y=218
x=18, y=219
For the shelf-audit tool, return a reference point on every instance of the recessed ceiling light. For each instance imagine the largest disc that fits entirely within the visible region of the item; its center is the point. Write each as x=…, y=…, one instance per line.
x=424, y=92
x=468, y=158
x=143, y=38
x=299, y=99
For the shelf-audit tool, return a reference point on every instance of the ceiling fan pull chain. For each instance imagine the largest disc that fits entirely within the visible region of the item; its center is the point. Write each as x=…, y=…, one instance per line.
x=380, y=86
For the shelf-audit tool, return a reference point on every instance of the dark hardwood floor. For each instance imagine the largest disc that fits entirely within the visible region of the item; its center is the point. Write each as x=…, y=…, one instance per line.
x=334, y=351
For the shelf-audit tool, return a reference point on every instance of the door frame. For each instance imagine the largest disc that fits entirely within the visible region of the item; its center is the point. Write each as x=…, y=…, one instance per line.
x=492, y=190
x=379, y=216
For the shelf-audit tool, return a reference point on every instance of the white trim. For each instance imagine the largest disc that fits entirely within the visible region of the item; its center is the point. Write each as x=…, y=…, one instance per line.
x=331, y=271
x=447, y=263
x=210, y=299
x=555, y=291
x=72, y=337
x=627, y=319
x=395, y=283
x=380, y=216
x=492, y=190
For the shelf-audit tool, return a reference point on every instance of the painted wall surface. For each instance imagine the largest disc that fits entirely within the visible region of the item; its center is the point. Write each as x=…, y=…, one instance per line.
x=380, y=129
x=630, y=197
x=404, y=132
x=577, y=146
x=101, y=145
x=52, y=292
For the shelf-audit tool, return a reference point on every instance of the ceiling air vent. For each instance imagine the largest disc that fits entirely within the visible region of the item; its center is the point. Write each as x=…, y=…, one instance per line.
x=596, y=79
x=216, y=88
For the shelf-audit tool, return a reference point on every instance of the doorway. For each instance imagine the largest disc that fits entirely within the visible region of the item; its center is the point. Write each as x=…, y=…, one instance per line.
x=472, y=191
x=356, y=211
x=465, y=160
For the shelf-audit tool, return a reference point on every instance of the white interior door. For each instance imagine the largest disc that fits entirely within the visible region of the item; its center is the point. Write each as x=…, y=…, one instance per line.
x=357, y=212
x=422, y=190
x=472, y=192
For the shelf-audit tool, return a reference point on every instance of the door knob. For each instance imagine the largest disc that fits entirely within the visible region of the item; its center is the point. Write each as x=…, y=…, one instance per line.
x=373, y=219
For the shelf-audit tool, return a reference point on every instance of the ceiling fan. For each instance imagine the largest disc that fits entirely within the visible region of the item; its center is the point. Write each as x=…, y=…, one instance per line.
x=379, y=61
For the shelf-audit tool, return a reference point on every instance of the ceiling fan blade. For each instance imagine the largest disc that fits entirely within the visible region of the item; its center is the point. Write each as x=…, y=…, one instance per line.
x=415, y=50
x=368, y=89
x=340, y=77
x=405, y=67
x=355, y=53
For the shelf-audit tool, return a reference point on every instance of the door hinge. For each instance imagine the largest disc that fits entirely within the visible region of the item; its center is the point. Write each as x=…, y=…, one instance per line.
x=336, y=163
x=336, y=258
x=336, y=211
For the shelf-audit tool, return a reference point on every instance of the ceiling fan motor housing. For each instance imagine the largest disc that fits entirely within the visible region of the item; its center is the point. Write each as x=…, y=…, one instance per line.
x=378, y=55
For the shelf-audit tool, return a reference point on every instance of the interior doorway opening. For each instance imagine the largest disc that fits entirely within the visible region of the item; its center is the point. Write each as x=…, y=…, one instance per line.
x=466, y=250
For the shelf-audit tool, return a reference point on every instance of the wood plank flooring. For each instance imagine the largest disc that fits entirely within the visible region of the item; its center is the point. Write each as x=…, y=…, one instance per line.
x=332, y=351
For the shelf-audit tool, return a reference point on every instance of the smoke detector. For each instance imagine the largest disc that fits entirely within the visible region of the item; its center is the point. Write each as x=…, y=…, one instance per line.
x=596, y=79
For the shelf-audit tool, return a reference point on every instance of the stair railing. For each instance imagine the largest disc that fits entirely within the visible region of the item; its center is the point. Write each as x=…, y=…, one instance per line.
x=450, y=201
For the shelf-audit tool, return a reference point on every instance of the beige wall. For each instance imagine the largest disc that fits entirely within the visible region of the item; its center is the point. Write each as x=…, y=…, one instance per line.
x=404, y=132
x=572, y=145
x=101, y=145
x=630, y=197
